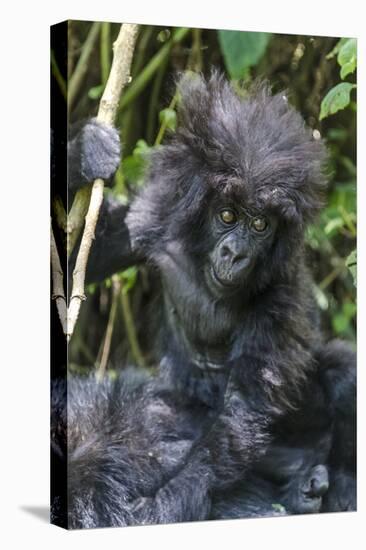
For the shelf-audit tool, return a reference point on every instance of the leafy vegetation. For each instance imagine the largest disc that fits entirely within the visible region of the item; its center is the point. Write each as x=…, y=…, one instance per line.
x=242, y=50
x=339, y=218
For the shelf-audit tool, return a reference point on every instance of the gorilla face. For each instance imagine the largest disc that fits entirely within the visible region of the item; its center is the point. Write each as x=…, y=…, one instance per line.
x=242, y=237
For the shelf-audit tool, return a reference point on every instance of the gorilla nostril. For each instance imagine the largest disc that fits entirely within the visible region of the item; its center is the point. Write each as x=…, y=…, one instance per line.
x=226, y=253
x=319, y=483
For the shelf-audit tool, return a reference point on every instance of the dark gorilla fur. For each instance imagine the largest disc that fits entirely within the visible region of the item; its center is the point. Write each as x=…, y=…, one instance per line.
x=310, y=465
x=244, y=376
x=127, y=438
x=257, y=154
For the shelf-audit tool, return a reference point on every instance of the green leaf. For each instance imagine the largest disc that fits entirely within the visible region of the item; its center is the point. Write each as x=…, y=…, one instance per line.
x=343, y=195
x=96, y=91
x=129, y=277
x=91, y=288
x=336, y=99
x=278, y=507
x=349, y=310
x=351, y=263
x=242, y=50
x=348, y=164
x=333, y=225
x=340, y=323
x=168, y=117
x=347, y=57
x=343, y=319
x=134, y=166
x=336, y=48
x=163, y=36
x=348, y=68
x=337, y=134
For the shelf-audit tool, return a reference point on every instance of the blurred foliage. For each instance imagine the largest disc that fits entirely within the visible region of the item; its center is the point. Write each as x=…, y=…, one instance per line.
x=339, y=217
x=242, y=50
x=319, y=75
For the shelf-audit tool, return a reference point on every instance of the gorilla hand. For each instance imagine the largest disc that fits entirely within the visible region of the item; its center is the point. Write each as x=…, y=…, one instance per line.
x=94, y=151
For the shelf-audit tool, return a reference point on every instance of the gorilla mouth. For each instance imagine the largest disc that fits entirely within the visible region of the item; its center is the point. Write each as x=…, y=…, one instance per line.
x=225, y=283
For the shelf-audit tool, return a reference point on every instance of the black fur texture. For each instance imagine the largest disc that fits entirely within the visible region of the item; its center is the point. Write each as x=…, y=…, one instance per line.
x=94, y=151
x=222, y=219
x=127, y=438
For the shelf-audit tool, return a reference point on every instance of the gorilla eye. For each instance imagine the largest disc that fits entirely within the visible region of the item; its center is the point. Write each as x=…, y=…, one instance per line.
x=259, y=224
x=227, y=216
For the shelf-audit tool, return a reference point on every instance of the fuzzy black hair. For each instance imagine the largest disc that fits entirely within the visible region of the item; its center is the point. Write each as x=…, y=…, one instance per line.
x=255, y=148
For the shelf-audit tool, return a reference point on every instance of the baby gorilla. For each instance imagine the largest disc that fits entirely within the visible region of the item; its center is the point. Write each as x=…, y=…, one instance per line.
x=222, y=218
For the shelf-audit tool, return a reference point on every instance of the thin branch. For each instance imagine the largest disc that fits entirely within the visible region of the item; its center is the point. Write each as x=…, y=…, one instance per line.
x=141, y=47
x=58, y=293
x=82, y=64
x=164, y=125
x=119, y=76
x=348, y=220
x=116, y=288
x=76, y=217
x=195, y=61
x=130, y=329
x=332, y=275
x=153, y=102
x=60, y=213
x=129, y=116
x=105, y=52
x=58, y=76
x=141, y=81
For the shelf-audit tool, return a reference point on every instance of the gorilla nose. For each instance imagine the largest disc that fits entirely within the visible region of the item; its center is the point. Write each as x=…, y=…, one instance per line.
x=319, y=483
x=231, y=253
x=232, y=261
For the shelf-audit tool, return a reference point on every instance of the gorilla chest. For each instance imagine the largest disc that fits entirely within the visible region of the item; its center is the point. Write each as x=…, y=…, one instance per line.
x=206, y=334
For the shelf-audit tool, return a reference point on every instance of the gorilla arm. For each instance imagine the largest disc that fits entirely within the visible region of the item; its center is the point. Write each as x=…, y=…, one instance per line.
x=94, y=152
